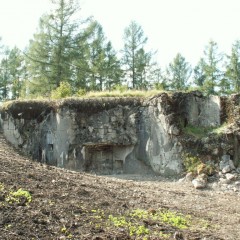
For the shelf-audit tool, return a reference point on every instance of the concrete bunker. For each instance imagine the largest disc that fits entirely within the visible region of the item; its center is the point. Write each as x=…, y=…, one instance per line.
x=112, y=135
x=105, y=158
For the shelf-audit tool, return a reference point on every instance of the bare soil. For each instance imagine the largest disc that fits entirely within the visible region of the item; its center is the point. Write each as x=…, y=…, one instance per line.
x=72, y=205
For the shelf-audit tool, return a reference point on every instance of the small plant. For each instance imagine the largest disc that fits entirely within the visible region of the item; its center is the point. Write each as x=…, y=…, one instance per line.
x=65, y=231
x=191, y=163
x=63, y=91
x=194, y=165
x=221, y=129
x=19, y=196
x=132, y=222
x=176, y=220
x=1, y=187
x=197, y=131
x=81, y=92
x=120, y=88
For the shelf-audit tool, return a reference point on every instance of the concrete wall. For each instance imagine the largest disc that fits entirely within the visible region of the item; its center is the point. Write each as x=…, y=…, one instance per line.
x=124, y=136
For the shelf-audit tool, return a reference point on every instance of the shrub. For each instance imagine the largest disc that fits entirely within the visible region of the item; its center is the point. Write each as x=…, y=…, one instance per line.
x=194, y=165
x=19, y=196
x=63, y=91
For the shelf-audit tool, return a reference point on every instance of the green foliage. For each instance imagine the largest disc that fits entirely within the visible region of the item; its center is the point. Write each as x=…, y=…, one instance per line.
x=194, y=165
x=81, y=93
x=232, y=73
x=211, y=65
x=197, y=131
x=132, y=221
x=191, y=163
x=178, y=73
x=63, y=91
x=200, y=132
x=136, y=61
x=120, y=88
x=1, y=187
x=17, y=196
x=159, y=86
x=176, y=220
x=220, y=130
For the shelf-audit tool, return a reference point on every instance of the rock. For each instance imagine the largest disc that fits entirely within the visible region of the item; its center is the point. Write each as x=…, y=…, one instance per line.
x=189, y=177
x=215, y=185
x=237, y=183
x=230, y=176
x=203, y=176
x=224, y=181
x=224, y=161
x=231, y=164
x=226, y=169
x=181, y=180
x=178, y=236
x=200, y=182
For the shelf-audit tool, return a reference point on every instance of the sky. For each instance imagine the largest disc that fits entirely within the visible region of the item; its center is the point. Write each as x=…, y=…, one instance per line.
x=172, y=26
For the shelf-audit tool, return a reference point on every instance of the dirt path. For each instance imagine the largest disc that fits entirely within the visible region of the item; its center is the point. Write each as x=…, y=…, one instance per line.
x=70, y=205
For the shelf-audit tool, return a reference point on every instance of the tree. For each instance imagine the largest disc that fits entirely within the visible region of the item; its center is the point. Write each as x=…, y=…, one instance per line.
x=104, y=67
x=4, y=79
x=17, y=71
x=199, y=76
x=233, y=68
x=113, y=69
x=135, y=59
x=3, y=73
x=178, y=73
x=50, y=52
x=12, y=73
x=211, y=67
x=96, y=66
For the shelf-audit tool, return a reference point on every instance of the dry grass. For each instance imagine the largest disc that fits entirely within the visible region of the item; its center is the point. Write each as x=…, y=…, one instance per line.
x=117, y=93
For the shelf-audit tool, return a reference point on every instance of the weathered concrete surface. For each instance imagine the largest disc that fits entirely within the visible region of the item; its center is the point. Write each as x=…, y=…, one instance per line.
x=109, y=135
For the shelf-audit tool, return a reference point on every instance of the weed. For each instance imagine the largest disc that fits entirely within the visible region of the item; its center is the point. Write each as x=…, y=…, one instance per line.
x=194, y=165
x=1, y=187
x=18, y=196
x=220, y=130
x=196, y=131
x=191, y=163
x=63, y=91
x=174, y=219
x=132, y=222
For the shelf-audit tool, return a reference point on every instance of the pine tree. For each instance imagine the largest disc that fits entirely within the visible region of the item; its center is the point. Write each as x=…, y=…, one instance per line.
x=136, y=60
x=96, y=65
x=178, y=73
x=16, y=65
x=211, y=67
x=233, y=68
x=199, y=76
x=12, y=73
x=51, y=50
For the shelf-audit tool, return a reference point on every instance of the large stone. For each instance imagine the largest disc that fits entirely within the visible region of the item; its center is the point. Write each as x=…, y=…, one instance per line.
x=226, y=169
x=231, y=176
x=199, y=183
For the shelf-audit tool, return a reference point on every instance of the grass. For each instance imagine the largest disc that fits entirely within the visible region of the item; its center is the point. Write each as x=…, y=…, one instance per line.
x=196, y=131
x=118, y=93
x=221, y=129
x=134, y=222
x=12, y=197
x=86, y=95
x=200, y=132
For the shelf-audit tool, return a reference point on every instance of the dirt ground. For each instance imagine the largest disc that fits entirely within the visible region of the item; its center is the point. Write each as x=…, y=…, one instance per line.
x=71, y=205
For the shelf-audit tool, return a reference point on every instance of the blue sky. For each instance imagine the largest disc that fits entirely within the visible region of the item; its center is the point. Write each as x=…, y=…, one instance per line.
x=171, y=26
